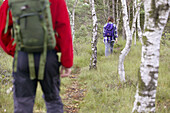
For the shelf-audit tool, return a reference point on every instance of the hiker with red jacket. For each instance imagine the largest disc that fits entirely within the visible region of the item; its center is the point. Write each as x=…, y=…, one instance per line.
x=24, y=83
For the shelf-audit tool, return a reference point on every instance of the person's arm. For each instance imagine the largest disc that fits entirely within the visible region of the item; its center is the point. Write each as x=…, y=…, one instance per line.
x=104, y=30
x=64, y=40
x=6, y=40
x=115, y=34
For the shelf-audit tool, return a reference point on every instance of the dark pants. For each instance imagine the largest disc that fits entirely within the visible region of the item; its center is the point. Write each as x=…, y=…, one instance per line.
x=25, y=89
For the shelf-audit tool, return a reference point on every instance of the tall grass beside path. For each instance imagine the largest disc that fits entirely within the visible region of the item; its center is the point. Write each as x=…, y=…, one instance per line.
x=105, y=92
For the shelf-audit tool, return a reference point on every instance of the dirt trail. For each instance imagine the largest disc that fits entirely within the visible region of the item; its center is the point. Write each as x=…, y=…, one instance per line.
x=73, y=96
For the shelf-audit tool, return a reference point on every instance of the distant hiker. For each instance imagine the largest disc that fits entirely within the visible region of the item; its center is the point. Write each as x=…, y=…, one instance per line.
x=33, y=31
x=110, y=36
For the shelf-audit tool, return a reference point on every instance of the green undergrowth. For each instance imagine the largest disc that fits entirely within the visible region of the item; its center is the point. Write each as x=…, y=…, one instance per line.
x=6, y=98
x=105, y=93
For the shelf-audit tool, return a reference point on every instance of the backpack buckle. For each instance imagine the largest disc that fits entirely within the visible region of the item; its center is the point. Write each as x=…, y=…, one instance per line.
x=24, y=7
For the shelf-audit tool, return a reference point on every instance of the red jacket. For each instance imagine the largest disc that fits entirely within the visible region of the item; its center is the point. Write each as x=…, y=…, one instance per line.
x=61, y=24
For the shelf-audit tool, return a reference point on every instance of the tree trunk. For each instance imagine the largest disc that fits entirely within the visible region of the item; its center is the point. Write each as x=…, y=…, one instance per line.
x=118, y=14
x=156, y=15
x=126, y=50
x=93, y=59
x=134, y=7
x=104, y=4
x=73, y=18
x=108, y=7
x=113, y=9
x=135, y=18
x=139, y=28
x=90, y=1
x=118, y=20
x=123, y=34
x=129, y=12
x=117, y=10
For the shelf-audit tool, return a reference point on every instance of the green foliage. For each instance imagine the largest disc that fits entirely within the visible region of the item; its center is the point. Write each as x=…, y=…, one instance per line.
x=82, y=33
x=166, y=34
x=163, y=94
x=142, y=16
x=5, y=82
x=100, y=31
x=1, y=1
x=107, y=94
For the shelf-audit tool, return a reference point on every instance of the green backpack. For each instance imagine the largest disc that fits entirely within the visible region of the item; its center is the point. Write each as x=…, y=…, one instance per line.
x=33, y=31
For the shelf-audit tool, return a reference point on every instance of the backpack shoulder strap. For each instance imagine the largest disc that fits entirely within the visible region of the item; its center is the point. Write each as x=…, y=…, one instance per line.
x=7, y=18
x=105, y=26
x=114, y=25
x=7, y=22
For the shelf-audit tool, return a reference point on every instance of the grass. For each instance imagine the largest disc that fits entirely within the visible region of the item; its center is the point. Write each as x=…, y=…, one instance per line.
x=6, y=99
x=105, y=93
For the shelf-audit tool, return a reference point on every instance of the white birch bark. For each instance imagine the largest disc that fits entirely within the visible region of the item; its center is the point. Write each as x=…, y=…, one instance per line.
x=123, y=34
x=128, y=34
x=129, y=12
x=118, y=15
x=135, y=18
x=135, y=37
x=156, y=15
x=93, y=59
x=117, y=25
x=73, y=19
x=126, y=50
x=90, y=1
x=117, y=10
x=134, y=7
x=108, y=7
x=139, y=28
x=113, y=9
x=104, y=4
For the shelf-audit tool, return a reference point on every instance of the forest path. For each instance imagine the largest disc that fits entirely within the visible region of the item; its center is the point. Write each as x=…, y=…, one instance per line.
x=74, y=94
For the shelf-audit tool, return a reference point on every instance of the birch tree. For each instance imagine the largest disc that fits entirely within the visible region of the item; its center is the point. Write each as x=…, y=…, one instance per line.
x=73, y=19
x=108, y=7
x=113, y=9
x=90, y=1
x=93, y=59
x=133, y=28
x=126, y=50
x=128, y=34
x=139, y=28
x=117, y=8
x=156, y=15
x=134, y=7
x=104, y=4
x=129, y=11
x=118, y=15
